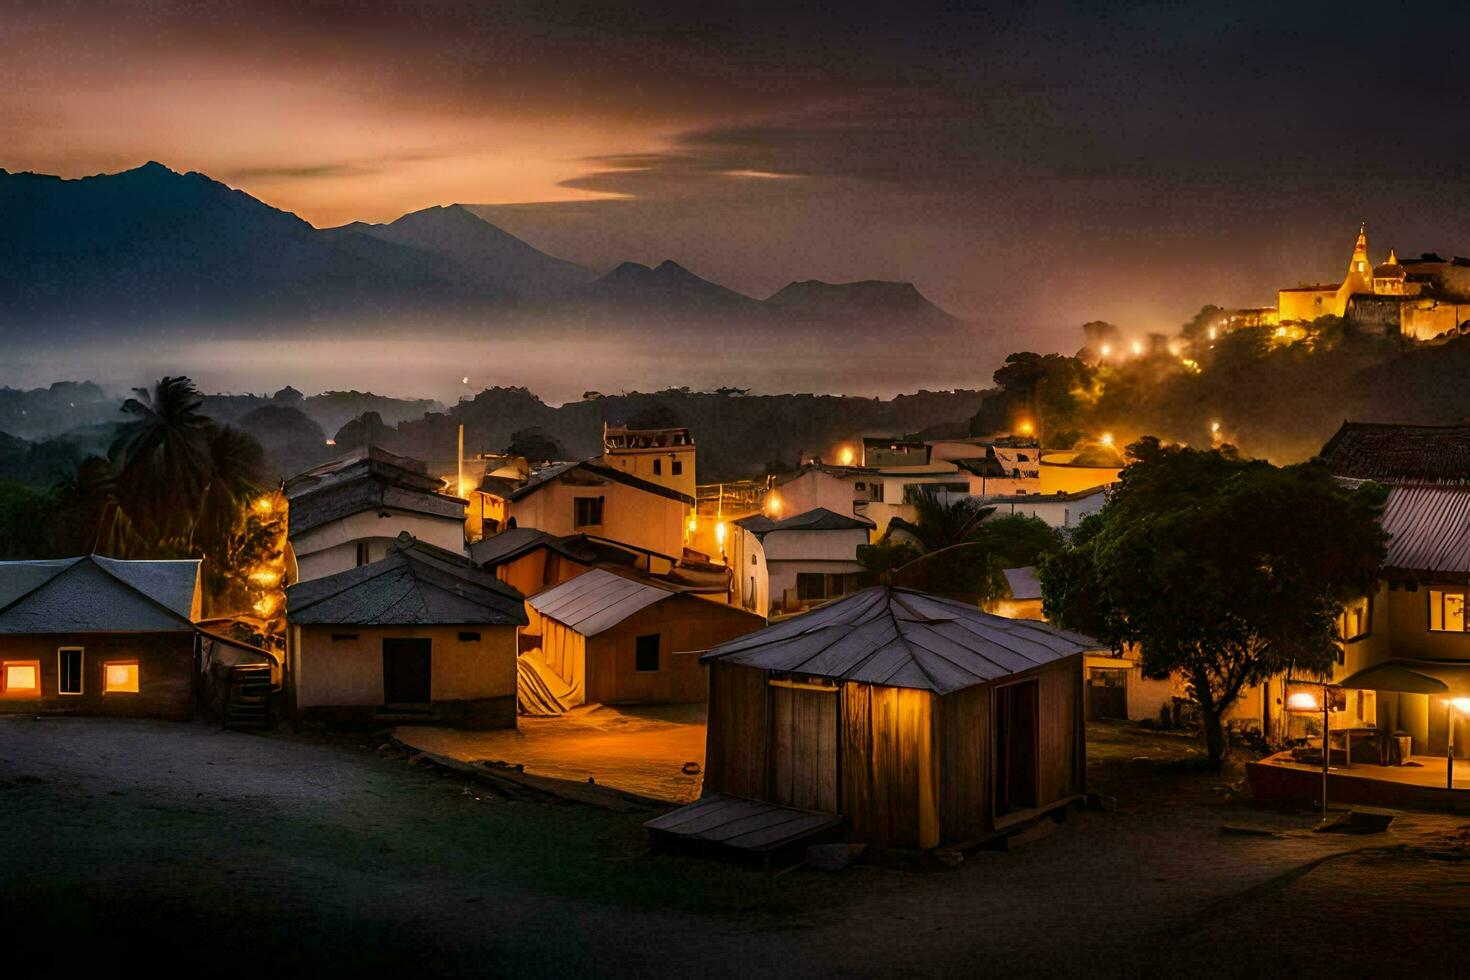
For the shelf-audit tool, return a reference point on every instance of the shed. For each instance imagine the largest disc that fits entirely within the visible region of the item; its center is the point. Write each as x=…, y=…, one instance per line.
x=624, y=639
x=923, y=721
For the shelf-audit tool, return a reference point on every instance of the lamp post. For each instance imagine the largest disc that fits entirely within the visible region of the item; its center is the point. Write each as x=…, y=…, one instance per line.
x=1305, y=702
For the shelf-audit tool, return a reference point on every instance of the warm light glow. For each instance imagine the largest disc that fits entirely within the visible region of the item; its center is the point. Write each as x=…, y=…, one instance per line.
x=720, y=534
x=264, y=505
x=1215, y=427
x=265, y=605
x=1107, y=350
x=773, y=503
x=120, y=678
x=845, y=456
x=1137, y=348
x=1302, y=701
x=1106, y=439
x=1461, y=704
x=20, y=678
x=693, y=524
x=1190, y=365
x=266, y=577
x=1281, y=331
x=1025, y=428
x=1212, y=333
x=331, y=442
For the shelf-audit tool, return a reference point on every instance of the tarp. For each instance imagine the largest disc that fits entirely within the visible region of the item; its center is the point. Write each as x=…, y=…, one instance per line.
x=1413, y=677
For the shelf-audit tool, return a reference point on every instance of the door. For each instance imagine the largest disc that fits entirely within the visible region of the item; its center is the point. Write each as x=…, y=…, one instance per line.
x=1107, y=693
x=804, y=748
x=406, y=671
x=1015, y=747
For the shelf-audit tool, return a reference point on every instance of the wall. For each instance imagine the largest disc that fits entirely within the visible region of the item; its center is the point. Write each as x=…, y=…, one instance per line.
x=818, y=488
x=632, y=516
x=1307, y=304
x=166, y=674
x=1056, y=513
x=687, y=626
x=349, y=672
x=639, y=463
x=1060, y=476
x=332, y=547
x=752, y=574
x=1425, y=319
x=889, y=772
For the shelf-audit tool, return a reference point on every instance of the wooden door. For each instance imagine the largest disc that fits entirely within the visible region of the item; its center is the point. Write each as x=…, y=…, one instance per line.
x=804, y=748
x=1015, y=737
x=407, y=671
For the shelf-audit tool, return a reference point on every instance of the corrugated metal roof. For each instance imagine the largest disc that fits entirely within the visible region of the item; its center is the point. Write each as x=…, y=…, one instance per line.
x=1400, y=453
x=416, y=584
x=597, y=600
x=901, y=638
x=94, y=594
x=1429, y=529
x=1023, y=582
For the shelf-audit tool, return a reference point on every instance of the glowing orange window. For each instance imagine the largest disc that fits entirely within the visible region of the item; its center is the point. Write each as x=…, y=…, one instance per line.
x=20, y=678
x=120, y=677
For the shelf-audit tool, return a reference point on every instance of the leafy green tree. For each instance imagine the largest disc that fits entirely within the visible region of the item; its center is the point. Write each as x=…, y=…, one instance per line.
x=1017, y=540
x=1047, y=389
x=162, y=458
x=1224, y=570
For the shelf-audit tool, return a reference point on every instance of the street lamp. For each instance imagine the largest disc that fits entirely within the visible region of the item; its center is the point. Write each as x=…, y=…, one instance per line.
x=1305, y=702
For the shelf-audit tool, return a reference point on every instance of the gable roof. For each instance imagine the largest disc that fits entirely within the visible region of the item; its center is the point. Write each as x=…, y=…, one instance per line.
x=95, y=594
x=1391, y=453
x=902, y=638
x=368, y=479
x=596, y=601
x=816, y=519
x=501, y=487
x=415, y=585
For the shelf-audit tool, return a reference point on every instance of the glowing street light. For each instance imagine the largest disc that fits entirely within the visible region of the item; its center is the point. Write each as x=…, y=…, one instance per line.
x=1107, y=351
x=1106, y=439
x=1026, y=428
x=845, y=456
x=1305, y=702
x=1137, y=348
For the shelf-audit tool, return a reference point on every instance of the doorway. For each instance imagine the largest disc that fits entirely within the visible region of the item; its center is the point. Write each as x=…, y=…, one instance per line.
x=1015, y=747
x=407, y=666
x=804, y=747
x=1107, y=693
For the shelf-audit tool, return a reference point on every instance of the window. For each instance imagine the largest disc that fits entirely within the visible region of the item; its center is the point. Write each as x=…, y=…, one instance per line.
x=1446, y=611
x=362, y=553
x=467, y=637
x=645, y=653
x=860, y=485
x=1352, y=622
x=658, y=467
x=588, y=512
x=811, y=585
x=678, y=467
x=120, y=677
x=21, y=678
x=69, y=670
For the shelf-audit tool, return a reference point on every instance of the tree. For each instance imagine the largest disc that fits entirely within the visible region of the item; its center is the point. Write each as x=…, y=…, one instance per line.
x=1017, y=540
x=162, y=458
x=1224, y=570
x=954, y=558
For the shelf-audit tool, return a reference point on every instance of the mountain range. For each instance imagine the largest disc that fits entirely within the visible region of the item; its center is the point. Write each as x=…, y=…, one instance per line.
x=153, y=246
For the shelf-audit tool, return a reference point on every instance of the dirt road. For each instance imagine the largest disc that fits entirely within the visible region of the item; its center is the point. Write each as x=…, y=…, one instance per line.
x=184, y=848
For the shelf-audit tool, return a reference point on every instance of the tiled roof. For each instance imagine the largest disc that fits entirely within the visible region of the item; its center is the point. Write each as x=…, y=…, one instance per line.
x=416, y=585
x=901, y=638
x=1400, y=453
x=94, y=594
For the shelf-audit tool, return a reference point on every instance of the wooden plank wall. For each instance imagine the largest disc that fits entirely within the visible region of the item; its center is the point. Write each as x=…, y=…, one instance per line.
x=889, y=769
x=1059, y=698
x=804, y=748
x=964, y=809
x=686, y=625
x=564, y=651
x=738, y=734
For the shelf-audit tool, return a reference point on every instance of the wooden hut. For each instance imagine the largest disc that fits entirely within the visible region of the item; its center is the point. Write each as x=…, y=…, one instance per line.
x=922, y=721
x=616, y=639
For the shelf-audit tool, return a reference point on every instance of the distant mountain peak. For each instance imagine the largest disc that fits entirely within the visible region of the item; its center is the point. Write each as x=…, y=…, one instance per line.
x=863, y=298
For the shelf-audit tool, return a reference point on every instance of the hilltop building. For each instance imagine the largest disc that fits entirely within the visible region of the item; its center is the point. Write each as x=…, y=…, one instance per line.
x=662, y=456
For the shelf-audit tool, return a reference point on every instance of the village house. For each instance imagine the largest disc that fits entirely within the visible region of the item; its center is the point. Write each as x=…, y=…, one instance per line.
x=350, y=511
x=1059, y=510
x=662, y=456
x=616, y=639
x=996, y=467
x=417, y=635
x=784, y=566
x=100, y=636
x=896, y=718
x=587, y=498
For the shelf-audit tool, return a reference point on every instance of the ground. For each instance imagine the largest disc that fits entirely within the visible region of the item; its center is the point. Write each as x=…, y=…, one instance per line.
x=642, y=749
x=187, y=848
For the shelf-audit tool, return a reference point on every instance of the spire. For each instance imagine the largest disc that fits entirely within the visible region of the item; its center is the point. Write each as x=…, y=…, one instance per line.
x=1393, y=258
x=1361, y=247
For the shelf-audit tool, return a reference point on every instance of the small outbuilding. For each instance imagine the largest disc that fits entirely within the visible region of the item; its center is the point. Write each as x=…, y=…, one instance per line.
x=618, y=639
x=419, y=635
x=922, y=721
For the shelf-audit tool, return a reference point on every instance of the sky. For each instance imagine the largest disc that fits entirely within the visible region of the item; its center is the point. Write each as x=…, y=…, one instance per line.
x=1029, y=166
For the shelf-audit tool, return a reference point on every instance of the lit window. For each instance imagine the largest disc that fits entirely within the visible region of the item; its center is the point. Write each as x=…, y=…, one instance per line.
x=1446, y=611
x=120, y=678
x=69, y=670
x=1352, y=622
x=22, y=678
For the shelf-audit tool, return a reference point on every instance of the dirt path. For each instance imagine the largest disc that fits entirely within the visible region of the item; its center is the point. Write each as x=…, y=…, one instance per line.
x=189, y=848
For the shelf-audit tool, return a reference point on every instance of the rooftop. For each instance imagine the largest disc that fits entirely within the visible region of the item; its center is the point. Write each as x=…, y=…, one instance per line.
x=1390, y=453
x=816, y=519
x=1429, y=532
x=94, y=594
x=901, y=638
x=415, y=585
x=542, y=478
x=368, y=479
x=597, y=600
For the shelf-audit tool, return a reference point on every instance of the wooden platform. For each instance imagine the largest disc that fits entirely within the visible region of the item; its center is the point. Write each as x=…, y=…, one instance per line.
x=732, y=826
x=1420, y=785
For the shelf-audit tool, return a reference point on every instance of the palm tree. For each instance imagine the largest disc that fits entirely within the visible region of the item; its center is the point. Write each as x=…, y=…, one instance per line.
x=956, y=560
x=162, y=459
x=945, y=523
x=236, y=476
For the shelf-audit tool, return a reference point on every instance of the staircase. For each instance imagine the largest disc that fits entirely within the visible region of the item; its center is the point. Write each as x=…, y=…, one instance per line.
x=247, y=702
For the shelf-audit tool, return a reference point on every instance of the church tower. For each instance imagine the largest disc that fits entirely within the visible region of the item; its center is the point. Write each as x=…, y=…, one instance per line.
x=1359, y=277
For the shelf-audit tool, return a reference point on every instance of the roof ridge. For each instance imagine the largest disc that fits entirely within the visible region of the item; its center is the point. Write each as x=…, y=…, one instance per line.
x=381, y=571
x=118, y=578
x=41, y=585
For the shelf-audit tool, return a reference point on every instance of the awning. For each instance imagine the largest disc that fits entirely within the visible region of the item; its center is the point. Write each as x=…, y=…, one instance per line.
x=1413, y=677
